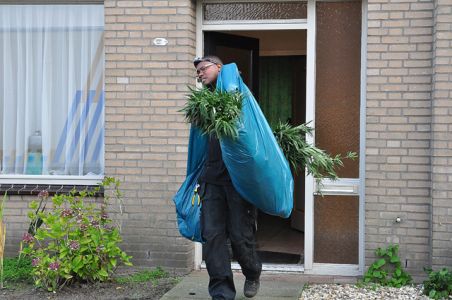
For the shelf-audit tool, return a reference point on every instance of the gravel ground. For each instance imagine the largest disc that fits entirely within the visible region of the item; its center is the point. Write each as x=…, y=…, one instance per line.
x=348, y=291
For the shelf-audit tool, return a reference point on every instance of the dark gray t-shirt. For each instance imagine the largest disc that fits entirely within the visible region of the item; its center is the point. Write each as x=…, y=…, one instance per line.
x=214, y=168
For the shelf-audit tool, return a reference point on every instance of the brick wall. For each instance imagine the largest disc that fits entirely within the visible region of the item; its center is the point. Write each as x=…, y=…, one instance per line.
x=442, y=136
x=146, y=136
x=16, y=221
x=399, y=76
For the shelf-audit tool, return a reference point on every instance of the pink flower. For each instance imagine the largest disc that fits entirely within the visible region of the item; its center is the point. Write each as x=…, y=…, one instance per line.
x=43, y=194
x=74, y=245
x=27, y=238
x=108, y=227
x=67, y=213
x=54, y=266
x=35, y=262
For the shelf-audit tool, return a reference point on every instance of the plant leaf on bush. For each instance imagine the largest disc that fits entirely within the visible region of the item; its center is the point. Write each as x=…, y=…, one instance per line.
x=387, y=269
x=214, y=112
x=439, y=284
x=75, y=240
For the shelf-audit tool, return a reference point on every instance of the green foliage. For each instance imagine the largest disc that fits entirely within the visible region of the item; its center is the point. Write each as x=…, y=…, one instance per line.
x=75, y=241
x=17, y=269
x=2, y=238
x=439, y=284
x=144, y=276
x=2, y=206
x=214, y=112
x=301, y=154
x=387, y=269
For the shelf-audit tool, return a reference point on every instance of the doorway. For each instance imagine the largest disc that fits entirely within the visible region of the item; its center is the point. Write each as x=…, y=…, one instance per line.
x=273, y=65
x=334, y=44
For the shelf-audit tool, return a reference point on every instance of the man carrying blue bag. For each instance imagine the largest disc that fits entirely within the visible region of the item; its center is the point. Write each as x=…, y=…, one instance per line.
x=224, y=213
x=227, y=180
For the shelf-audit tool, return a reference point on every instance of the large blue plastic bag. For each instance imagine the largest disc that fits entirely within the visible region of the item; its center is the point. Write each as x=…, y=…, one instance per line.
x=256, y=164
x=188, y=204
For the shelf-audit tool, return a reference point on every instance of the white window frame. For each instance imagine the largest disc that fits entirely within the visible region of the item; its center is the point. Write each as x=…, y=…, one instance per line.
x=21, y=179
x=344, y=186
x=51, y=179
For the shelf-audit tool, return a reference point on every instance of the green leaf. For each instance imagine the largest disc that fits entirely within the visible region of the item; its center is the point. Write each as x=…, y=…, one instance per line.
x=33, y=205
x=377, y=274
x=395, y=259
x=113, y=262
x=103, y=273
x=381, y=262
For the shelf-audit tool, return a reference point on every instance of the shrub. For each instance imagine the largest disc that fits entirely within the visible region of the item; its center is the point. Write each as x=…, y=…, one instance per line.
x=387, y=270
x=73, y=241
x=439, y=284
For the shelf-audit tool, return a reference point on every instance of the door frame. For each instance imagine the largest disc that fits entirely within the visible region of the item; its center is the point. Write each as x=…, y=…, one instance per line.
x=348, y=186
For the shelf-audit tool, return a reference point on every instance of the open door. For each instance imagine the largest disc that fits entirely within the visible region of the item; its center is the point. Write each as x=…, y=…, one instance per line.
x=244, y=51
x=282, y=99
x=278, y=84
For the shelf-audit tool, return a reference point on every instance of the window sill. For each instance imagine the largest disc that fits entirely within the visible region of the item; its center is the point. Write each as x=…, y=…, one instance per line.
x=33, y=184
x=51, y=179
x=52, y=189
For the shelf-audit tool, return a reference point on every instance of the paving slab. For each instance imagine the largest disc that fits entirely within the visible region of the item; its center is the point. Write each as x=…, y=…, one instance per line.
x=283, y=286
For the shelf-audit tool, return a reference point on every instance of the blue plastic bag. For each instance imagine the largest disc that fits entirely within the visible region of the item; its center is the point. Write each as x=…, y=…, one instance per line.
x=188, y=203
x=258, y=169
x=256, y=164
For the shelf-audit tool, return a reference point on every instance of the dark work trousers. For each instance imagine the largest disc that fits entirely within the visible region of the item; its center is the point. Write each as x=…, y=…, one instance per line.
x=225, y=214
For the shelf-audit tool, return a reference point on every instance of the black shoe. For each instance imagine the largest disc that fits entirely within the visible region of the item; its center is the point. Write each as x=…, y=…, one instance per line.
x=251, y=287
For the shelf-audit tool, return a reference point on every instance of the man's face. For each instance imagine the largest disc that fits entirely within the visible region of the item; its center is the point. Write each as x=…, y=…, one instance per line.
x=207, y=72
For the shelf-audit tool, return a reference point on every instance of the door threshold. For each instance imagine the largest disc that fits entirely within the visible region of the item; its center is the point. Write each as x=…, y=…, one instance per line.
x=274, y=268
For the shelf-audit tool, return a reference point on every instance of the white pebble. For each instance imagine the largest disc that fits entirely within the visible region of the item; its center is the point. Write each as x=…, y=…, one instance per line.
x=349, y=292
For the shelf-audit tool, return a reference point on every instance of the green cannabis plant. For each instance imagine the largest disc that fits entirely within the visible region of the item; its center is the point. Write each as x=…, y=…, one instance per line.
x=300, y=154
x=214, y=112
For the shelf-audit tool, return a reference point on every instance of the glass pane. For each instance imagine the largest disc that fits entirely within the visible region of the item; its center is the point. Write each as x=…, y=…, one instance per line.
x=52, y=89
x=336, y=229
x=254, y=11
x=338, y=69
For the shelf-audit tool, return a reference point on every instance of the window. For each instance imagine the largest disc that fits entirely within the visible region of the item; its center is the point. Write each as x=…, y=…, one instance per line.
x=51, y=90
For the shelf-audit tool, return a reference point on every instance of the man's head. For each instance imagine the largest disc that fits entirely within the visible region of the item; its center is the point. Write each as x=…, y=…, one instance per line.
x=207, y=68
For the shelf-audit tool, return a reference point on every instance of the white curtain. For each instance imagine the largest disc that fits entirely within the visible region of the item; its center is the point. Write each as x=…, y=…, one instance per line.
x=52, y=89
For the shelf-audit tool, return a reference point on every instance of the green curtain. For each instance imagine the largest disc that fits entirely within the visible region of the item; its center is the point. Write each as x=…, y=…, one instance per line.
x=276, y=88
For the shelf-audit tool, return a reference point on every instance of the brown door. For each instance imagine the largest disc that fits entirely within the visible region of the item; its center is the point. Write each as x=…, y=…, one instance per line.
x=244, y=51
